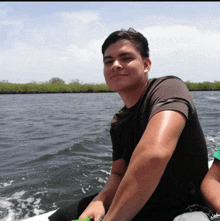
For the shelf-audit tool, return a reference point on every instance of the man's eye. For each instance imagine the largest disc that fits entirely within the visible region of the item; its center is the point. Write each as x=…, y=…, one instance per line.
x=126, y=58
x=108, y=62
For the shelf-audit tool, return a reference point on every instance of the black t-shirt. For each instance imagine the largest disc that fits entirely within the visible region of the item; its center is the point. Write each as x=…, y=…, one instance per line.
x=180, y=184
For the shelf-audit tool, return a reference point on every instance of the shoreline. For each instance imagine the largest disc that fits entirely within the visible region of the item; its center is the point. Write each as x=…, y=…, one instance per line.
x=31, y=88
x=53, y=92
x=77, y=92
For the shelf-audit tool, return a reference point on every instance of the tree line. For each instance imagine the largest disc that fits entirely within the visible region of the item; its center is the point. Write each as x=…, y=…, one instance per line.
x=54, y=85
x=57, y=85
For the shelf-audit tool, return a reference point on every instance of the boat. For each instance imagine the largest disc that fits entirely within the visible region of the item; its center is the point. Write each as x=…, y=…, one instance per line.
x=42, y=217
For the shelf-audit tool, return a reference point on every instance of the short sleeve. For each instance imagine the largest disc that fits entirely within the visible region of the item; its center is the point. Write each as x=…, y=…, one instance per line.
x=217, y=154
x=171, y=94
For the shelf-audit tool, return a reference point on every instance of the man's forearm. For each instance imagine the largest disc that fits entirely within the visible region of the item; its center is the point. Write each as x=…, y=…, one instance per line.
x=97, y=208
x=108, y=192
x=210, y=187
x=212, y=194
x=137, y=186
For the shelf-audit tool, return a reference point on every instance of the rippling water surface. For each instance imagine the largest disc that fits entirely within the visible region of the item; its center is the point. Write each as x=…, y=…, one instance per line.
x=56, y=148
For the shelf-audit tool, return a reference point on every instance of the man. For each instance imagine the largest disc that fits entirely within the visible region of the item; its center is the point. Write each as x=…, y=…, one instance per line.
x=159, y=150
x=211, y=184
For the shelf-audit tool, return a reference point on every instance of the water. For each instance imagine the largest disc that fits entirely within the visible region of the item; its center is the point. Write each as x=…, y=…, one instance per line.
x=56, y=148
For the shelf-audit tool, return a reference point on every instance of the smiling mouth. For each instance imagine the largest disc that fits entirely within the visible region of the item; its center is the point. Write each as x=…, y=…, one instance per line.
x=118, y=75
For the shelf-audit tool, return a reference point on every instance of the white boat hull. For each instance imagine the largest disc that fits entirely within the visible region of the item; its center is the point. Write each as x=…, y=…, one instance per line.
x=43, y=217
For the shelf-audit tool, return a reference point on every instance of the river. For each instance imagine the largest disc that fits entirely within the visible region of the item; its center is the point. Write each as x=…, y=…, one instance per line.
x=56, y=148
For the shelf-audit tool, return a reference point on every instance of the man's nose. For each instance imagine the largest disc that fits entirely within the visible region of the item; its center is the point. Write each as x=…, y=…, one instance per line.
x=116, y=65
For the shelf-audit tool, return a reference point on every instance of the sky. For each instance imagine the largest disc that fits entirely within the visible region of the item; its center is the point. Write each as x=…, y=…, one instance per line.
x=41, y=40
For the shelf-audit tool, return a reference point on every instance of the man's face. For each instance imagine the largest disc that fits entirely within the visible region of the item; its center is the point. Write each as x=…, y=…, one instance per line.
x=124, y=68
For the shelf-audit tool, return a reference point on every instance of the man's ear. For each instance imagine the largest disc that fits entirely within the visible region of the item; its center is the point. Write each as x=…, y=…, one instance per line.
x=147, y=64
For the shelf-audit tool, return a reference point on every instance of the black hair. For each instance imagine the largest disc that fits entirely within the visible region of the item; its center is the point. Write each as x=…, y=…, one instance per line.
x=137, y=38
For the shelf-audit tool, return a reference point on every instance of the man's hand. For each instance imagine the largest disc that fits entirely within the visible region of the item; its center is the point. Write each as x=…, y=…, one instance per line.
x=192, y=216
x=95, y=210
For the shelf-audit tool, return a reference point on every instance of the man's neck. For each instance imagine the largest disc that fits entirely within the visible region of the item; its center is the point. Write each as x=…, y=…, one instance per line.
x=130, y=98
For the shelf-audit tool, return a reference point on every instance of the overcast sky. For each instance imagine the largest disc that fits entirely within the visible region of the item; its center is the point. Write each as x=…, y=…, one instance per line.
x=41, y=40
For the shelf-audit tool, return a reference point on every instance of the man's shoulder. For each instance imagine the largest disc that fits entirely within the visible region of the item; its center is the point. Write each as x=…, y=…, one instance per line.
x=165, y=78
x=166, y=81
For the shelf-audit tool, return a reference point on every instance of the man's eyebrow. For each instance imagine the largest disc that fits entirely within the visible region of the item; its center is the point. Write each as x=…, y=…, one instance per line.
x=120, y=55
x=125, y=53
x=107, y=57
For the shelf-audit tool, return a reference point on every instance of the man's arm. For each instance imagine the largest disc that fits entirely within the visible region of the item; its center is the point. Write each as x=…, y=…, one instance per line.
x=210, y=186
x=147, y=165
x=100, y=203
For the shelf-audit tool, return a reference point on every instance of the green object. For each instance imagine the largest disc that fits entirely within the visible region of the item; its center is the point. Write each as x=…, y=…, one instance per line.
x=217, y=154
x=86, y=219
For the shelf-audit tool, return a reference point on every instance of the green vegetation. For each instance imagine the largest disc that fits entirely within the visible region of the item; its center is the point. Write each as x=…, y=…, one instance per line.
x=205, y=86
x=9, y=88
x=57, y=85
